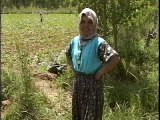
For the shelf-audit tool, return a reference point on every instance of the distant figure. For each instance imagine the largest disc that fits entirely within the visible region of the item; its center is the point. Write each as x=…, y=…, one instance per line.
x=152, y=35
x=41, y=17
x=91, y=57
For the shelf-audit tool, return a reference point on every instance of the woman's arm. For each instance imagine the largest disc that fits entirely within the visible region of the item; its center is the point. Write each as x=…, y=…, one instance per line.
x=69, y=57
x=107, y=67
x=109, y=57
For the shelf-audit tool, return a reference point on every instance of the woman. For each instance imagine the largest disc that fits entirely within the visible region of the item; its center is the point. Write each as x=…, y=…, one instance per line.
x=91, y=57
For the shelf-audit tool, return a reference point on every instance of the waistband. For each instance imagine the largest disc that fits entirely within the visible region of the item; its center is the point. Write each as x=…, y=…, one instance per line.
x=83, y=74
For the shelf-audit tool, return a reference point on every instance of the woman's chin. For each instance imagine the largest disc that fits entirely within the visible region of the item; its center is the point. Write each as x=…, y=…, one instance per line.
x=85, y=34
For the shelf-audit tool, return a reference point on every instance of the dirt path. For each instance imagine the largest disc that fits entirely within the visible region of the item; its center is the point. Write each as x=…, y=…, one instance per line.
x=46, y=88
x=58, y=97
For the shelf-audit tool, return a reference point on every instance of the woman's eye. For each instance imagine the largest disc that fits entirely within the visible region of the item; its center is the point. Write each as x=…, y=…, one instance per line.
x=90, y=22
x=87, y=22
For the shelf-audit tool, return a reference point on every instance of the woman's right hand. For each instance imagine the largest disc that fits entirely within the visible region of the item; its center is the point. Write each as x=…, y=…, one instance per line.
x=98, y=76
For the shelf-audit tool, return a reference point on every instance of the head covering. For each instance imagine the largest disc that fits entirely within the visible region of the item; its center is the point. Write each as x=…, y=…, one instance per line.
x=92, y=15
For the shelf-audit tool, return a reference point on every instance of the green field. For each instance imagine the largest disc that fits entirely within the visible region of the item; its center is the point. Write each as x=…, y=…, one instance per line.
x=41, y=39
x=24, y=36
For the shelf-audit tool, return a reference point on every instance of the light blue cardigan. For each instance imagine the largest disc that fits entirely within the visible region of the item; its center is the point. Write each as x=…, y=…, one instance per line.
x=85, y=59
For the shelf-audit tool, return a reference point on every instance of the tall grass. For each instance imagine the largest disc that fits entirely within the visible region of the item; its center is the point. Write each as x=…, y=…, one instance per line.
x=26, y=105
x=27, y=102
x=135, y=101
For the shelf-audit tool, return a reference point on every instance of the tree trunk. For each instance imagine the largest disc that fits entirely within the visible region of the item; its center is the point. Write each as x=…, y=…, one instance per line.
x=104, y=20
x=114, y=25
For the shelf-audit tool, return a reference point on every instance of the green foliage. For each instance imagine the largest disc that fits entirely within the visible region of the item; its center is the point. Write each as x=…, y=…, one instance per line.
x=130, y=100
x=66, y=80
x=42, y=109
x=10, y=85
x=48, y=4
x=35, y=10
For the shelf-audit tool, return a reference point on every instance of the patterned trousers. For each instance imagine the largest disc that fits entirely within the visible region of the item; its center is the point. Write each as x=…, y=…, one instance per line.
x=88, y=98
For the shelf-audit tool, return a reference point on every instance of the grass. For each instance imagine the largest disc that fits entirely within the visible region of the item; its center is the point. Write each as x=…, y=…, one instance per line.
x=43, y=41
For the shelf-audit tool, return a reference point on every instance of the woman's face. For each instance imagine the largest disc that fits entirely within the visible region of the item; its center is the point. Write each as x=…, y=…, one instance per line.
x=86, y=26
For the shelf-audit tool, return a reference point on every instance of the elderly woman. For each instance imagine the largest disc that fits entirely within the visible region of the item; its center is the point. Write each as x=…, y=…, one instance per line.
x=91, y=57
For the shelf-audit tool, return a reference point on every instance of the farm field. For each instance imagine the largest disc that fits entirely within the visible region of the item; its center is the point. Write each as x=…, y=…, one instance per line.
x=29, y=47
x=43, y=41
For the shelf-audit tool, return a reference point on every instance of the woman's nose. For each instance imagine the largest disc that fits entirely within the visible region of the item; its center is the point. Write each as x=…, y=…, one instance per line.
x=86, y=24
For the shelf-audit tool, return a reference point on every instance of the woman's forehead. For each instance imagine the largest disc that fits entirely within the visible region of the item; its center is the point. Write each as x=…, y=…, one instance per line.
x=86, y=18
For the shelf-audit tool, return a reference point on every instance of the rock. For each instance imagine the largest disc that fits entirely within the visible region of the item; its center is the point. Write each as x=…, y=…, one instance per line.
x=6, y=103
x=45, y=76
x=57, y=68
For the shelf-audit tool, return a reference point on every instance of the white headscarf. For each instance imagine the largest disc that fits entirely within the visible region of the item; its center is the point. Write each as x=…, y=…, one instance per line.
x=91, y=14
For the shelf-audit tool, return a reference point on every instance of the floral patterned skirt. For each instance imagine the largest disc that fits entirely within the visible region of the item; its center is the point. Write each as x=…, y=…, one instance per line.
x=88, y=98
